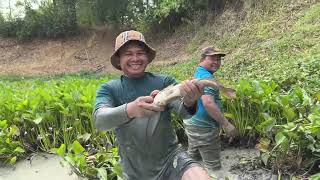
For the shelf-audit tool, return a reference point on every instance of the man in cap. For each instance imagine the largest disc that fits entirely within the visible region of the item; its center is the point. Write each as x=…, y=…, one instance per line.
x=148, y=145
x=204, y=127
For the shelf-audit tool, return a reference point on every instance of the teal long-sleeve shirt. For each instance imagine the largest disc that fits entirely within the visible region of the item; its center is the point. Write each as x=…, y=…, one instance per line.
x=146, y=145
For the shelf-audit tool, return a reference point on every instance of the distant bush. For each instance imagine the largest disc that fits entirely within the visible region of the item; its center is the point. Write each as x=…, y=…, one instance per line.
x=61, y=17
x=50, y=20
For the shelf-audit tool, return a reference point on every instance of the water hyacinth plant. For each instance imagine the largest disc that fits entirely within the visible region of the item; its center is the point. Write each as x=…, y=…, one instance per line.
x=56, y=116
x=287, y=123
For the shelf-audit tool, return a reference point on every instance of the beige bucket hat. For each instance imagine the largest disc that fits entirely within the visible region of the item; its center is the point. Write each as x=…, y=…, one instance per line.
x=122, y=39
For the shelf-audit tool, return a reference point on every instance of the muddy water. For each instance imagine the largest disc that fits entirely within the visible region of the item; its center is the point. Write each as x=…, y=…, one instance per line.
x=47, y=167
x=41, y=167
x=237, y=164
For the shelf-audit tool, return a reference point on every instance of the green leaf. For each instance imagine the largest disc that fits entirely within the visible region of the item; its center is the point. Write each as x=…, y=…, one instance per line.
x=85, y=137
x=317, y=95
x=289, y=113
x=280, y=138
x=38, y=120
x=102, y=174
x=61, y=151
x=70, y=160
x=77, y=148
x=229, y=115
x=266, y=125
x=117, y=169
x=265, y=157
x=3, y=124
x=14, y=130
x=315, y=177
x=19, y=150
x=85, y=105
x=3, y=151
x=13, y=160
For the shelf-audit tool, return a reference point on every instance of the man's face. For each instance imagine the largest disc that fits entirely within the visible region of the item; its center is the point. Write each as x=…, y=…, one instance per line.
x=212, y=63
x=133, y=60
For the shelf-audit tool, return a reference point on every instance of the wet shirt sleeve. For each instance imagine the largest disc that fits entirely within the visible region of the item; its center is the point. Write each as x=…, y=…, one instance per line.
x=106, y=116
x=104, y=97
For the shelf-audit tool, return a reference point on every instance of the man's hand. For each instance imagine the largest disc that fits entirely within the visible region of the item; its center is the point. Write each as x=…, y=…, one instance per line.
x=230, y=130
x=191, y=91
x=143, y=106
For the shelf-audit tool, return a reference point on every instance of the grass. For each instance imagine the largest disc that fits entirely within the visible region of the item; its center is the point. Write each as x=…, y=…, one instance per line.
x=278, y=42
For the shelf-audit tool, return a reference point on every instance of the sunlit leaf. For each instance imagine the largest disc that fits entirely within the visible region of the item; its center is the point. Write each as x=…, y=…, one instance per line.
x=19, y=150
x=280, y=138
x=315, y=177
x=13, y=160
x=3, y=124
x=289, y=113
x=229, y=115
x=61, y=150
x=38, y=120
x=77, y=148
x=14, y=130
x=317, y=95
x=85, y=105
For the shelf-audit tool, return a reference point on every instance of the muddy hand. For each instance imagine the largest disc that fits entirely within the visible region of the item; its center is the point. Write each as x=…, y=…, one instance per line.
x=142, y=107
x=231, y=131
x=191, y=91
x=229, y=93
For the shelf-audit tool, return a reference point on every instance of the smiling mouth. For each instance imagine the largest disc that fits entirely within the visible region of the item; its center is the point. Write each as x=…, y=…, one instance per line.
x=135, y=66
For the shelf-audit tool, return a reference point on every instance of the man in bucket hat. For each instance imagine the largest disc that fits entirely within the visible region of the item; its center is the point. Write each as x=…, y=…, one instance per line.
x=204, y=127
x=148, y=145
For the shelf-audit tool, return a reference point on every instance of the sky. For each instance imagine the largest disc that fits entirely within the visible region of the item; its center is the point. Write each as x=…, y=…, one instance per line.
x=16, y=11
x=5, y=4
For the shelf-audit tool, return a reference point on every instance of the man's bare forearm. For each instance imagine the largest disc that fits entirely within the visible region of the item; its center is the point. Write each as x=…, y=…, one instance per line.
x=213, y=110
x=216, y=114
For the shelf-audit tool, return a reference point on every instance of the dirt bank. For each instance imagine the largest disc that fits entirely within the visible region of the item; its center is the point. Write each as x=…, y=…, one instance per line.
x=88, y=51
